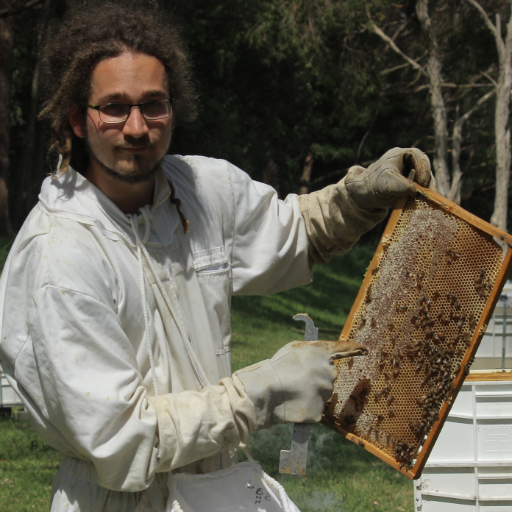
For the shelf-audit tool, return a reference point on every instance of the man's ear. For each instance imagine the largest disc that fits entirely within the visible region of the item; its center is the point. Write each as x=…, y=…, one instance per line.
x=75, y=120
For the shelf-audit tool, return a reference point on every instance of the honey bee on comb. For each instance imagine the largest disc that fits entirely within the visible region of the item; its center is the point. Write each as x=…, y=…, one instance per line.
x=435, y=279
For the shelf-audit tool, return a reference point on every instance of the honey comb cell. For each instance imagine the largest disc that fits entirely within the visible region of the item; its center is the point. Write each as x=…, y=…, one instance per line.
x=421, y=311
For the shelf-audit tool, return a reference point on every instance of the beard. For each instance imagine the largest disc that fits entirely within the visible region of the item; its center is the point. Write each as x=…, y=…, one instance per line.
x=137, y=175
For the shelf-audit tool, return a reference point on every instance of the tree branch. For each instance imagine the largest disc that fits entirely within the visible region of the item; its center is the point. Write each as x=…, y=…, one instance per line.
x=477, y=105
x=377, y=30
x=490, y=78
x=486, y=18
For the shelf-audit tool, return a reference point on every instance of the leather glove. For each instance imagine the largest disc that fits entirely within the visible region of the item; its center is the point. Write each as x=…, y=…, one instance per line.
x=384, y=181
x=294, y=385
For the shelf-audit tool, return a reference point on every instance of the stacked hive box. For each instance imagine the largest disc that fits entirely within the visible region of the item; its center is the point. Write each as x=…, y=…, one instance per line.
x=470, y=467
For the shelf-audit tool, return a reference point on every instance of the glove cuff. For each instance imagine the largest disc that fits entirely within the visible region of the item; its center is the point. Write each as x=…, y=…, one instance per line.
x=263, y=387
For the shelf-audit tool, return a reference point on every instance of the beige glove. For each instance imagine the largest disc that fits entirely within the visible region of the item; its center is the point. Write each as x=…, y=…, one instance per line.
x=384, y=181
x=294, y=385
x=336, y=216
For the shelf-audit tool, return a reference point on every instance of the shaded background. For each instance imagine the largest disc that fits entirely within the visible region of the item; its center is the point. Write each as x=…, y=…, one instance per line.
x=293, y=92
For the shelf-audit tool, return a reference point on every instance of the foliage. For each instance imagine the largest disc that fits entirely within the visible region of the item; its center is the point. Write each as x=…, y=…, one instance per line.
x=281, y=79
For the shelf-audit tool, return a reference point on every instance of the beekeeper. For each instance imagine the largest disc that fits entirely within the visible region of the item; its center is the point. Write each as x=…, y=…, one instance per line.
x=116, y=294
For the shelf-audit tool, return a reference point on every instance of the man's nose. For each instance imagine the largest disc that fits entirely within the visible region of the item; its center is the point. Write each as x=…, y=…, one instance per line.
x=135, y=125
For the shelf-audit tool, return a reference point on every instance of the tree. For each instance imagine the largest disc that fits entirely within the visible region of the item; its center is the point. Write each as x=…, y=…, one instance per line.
x=449, y=183
x=502, y=113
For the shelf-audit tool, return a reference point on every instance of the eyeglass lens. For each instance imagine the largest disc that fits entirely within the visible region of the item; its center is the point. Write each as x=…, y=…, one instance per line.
x=151, y=110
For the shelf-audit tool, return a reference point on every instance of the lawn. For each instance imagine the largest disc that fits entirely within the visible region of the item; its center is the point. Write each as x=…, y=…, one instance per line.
x=341, y=476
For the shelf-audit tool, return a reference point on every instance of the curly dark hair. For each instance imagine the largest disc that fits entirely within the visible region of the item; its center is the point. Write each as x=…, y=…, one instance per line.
x=100, y=30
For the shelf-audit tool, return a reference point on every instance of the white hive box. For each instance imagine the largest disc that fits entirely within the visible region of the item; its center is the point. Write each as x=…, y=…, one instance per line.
x=470, y=467
x=489, y=354
x=8, y=397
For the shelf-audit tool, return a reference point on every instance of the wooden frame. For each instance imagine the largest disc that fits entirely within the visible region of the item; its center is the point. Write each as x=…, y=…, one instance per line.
x=506, y=240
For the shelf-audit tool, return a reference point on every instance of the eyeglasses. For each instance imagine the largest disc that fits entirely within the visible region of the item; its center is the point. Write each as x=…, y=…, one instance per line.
x=151, y=110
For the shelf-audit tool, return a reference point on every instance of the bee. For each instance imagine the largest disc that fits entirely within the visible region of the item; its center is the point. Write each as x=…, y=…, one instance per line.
x=363, y=323
x=373, y=323
x=363, y=393
x=349, y=420
x=386, y=376
x=375, y=270
x=435, y=295
x=368, y=297
x=389, y=399
x=379, y=418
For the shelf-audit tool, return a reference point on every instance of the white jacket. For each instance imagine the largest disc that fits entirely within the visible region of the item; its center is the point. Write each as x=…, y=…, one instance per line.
x=116, y=329
x=75, y=344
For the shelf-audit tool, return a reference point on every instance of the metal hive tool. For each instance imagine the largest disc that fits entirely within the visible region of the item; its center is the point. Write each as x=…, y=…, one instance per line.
x=421, y=311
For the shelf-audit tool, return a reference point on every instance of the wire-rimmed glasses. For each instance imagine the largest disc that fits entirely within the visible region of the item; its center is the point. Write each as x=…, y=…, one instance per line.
x=151, y=110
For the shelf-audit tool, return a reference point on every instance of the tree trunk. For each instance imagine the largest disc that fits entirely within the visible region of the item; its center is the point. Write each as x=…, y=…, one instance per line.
x=306, y=174
x=501, y=126
x=441, y=170
x=6, y=45
x=455, y=189
x=502, y=114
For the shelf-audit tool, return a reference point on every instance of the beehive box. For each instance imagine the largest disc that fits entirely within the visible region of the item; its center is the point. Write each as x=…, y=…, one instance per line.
x=470, y=467
x=8, y=397
x=421, y=311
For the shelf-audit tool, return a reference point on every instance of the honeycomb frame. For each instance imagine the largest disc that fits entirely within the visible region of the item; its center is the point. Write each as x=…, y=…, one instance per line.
x=421, y=311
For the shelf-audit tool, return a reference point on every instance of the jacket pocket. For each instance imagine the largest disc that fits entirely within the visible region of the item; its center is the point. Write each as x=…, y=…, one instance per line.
x=213, y=273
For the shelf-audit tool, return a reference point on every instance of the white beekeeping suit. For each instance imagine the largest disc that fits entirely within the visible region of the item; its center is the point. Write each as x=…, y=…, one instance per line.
x=116, y=328
x=88, y=366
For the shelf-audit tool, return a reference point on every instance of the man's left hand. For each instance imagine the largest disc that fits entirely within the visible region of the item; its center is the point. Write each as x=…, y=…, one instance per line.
x=386, y=180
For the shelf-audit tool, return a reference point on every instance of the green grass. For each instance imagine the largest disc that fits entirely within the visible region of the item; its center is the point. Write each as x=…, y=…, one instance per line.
x=261, y=325
x=27, y=467
x=341, y=476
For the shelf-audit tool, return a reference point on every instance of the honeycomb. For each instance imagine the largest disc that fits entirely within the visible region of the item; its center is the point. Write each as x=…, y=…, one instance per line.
x=421, y=312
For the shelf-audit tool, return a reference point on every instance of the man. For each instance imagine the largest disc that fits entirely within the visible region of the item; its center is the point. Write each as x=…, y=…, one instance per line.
x=116, y=294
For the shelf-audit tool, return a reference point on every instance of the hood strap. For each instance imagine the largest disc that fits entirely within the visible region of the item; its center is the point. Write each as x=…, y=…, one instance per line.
x=181, y=325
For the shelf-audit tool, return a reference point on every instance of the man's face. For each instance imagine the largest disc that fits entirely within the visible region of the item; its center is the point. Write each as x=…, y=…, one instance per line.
x=132, y=150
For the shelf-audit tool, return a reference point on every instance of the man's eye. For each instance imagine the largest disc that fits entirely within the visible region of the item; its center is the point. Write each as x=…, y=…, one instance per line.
x=154, y=107
x=114, y=109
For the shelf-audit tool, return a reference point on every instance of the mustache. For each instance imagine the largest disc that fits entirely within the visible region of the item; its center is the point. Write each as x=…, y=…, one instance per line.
x=146, y=143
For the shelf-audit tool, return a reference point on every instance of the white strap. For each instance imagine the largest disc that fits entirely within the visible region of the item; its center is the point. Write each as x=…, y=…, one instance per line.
x=133, y=222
